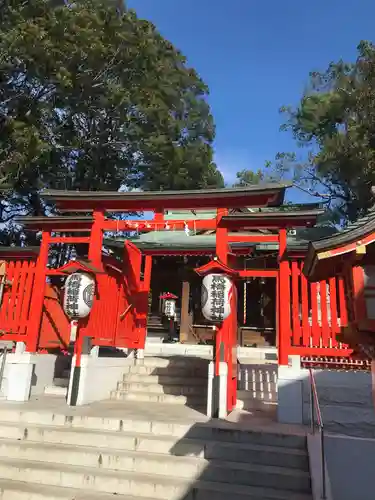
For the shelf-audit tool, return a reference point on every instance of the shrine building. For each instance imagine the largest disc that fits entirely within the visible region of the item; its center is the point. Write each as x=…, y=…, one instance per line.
x=93, y=294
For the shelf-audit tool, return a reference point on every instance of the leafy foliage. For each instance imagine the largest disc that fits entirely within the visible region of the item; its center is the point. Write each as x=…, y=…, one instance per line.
x=248, y=177
x=335, y=122
x=91, y=97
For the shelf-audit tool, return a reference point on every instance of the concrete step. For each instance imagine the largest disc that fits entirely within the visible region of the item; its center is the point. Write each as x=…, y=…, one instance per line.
x=191, y=468
x=164, y=379
x=136, y=484
x=155, y=339
x=175, y=362
x=170, y=371
x=54, y=390
x=156, y=388
x=19, y=490
x=207, y=430
x=163, y=445
x=61, y=382
x=149, y=397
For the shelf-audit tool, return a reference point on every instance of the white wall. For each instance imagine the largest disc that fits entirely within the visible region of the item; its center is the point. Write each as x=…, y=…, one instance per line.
x=350, y=463
x=99, y=376
x=26, y=374
x=43, y=372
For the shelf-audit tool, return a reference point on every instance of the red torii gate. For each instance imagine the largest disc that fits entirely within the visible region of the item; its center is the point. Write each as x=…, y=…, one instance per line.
x=130, y=290
x=119, y=315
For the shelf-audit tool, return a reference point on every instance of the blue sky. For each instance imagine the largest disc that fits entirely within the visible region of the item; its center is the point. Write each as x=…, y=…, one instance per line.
x=256, y=56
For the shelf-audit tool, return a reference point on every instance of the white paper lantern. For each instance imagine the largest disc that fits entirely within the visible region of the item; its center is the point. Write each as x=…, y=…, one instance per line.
x=216, y=295
x=79, y=295
x=170, y=308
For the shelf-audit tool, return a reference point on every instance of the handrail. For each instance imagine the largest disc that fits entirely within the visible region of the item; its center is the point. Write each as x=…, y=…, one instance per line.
x=315, y=411
x=2, y=367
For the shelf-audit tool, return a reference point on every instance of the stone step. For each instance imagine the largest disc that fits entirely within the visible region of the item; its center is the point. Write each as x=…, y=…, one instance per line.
x=61, y=382
x=195, y=400
x=156, y=388
x=170, y=371
x=191, y=468
x=175, y=362
x=136, y=484
x=54, y=390
x=19, y=490
x=206, y=430
x=164, y=379
x=163, y=445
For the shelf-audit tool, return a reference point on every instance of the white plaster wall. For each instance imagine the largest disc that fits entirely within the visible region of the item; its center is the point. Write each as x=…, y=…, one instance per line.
x=42, y=371
x=350, y=463
x=99, y=376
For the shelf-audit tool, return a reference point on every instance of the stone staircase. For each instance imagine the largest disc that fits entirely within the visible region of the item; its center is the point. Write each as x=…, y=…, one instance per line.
x=174, y=379
x=97, y=454
x=156, y=331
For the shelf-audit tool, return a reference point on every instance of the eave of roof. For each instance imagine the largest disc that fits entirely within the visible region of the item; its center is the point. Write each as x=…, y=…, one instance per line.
x=272, y=219
x=266, y=194
x=56, y=222
x=23, y=252
x=339, y=244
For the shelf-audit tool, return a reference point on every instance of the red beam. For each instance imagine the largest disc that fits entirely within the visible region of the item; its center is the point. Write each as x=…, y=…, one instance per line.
x=159, y=225
x=253, y=238
x=70, y=239
x=319, y=351
x=258, y=273
x=267, y=223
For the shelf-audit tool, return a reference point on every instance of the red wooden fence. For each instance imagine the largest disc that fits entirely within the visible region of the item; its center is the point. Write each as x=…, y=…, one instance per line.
x=16, y=300
x=318, y=312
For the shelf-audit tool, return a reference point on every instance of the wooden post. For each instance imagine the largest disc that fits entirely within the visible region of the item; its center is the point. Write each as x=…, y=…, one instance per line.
x=222, y=336
x=185, y=318
x=38, y=292
x=96, y=239
x=284, y=300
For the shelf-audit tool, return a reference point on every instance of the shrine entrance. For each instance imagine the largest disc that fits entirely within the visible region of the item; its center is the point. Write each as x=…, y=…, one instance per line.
x=257, y=312
x=123, y=272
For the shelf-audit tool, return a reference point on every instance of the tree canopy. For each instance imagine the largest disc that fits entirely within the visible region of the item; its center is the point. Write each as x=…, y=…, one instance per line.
x=335, y=123
x=91, y=97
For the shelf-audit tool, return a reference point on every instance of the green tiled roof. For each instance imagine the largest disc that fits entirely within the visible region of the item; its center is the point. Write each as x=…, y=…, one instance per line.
x=179, y=239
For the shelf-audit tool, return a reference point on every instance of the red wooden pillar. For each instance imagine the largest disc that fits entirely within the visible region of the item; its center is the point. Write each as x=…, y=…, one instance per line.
x=226, y=335
x=96, y=239
x=222, y=334
x=284, y=300
x=143, y=303
x=95, y=256
x=38, y=292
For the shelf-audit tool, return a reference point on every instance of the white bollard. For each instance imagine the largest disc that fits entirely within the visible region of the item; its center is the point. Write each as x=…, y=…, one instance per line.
x=210, y=383
x=223, y=389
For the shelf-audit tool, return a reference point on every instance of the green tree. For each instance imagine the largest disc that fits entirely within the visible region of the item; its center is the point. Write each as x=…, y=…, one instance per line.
x=335, y=123
x=91, y=97
x=248, y=177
